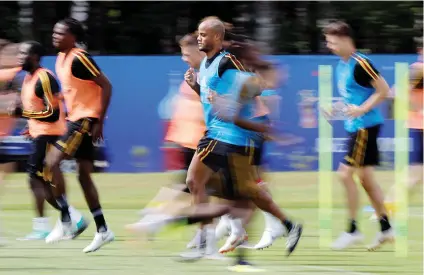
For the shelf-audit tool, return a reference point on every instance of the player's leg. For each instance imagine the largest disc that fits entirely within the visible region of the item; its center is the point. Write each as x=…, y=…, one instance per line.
x=202, y=166
x=240, y=164
x=41, y=227
x=415, y=173
x=70, y=225
x=356, y=145
x=273, y=227
x=6, y=168
x=84, y=155
x=370, y=159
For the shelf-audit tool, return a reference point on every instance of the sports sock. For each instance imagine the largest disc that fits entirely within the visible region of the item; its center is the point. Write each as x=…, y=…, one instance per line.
x=99, y=219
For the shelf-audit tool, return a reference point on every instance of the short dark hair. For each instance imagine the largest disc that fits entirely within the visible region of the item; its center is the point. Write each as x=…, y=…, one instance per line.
x=36, y=48
x=75, y=27
x=338, y=28
x=188, y=40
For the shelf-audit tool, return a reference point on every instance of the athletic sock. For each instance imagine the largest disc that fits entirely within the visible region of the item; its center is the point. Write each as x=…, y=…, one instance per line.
x=352, y=227
x=99, y=219
x=288, y=224
x=64, y=208
x=384, y=223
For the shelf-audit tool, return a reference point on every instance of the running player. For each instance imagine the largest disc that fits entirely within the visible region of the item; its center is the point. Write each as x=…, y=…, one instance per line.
x=362, y=88
x=249, y=56
x=46, y=122
x=8, y=95
x=186, y=129
x=219, y=69
x=415, y=125
x=87, y=92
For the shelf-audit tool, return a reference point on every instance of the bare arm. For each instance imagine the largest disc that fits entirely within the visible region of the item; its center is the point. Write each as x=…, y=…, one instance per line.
x=106, y=86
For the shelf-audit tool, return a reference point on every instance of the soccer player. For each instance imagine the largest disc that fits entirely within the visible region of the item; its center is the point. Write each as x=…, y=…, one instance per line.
x=218, y=71
x=8, y=95
x=362, y=88
x=415, y=125
x=186, y=129
x=86, y=91
x=46, y=122
x=249, y=56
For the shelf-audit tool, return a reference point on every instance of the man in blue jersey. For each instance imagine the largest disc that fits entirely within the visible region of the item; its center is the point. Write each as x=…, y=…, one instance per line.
x=362, y=88
x=220, y=74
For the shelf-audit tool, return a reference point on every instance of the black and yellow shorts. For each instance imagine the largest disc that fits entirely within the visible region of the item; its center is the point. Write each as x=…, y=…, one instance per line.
x=234, y=167
x=40, y=147
x=78, y=142
x=362, y=147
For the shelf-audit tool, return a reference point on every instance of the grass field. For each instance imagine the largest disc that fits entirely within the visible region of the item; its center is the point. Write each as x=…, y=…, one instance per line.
x=123, y=195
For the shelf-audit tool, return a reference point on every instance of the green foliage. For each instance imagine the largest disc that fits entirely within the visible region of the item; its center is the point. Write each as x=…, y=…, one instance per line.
x=116, y=27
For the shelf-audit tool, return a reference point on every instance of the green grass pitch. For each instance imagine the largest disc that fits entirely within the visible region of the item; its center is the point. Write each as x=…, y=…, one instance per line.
x=122, y=195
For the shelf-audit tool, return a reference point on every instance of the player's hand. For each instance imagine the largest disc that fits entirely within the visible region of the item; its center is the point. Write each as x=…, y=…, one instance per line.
x=190, y=77
x=97, y=131
x=327, y=115
x=25, y=133
x=354, y=111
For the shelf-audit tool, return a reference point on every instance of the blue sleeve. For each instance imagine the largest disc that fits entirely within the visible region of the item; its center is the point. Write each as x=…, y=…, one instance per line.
x=269, y=93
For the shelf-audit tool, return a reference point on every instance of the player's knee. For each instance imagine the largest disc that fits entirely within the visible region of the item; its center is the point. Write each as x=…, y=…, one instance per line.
x=191, y=184
x=35, y=175
x=344, y=174
x=35, y=181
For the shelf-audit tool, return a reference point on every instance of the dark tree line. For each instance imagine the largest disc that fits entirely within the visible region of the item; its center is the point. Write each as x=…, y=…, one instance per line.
x=152, y=27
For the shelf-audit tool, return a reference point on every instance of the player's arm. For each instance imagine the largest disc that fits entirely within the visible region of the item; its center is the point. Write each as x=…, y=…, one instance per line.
x=249, y=89
x=196, y=88
x=416, y=76
x=367, y=75
x=84, y=67
x=231, y=71
x=251, y=125
x=46, y=88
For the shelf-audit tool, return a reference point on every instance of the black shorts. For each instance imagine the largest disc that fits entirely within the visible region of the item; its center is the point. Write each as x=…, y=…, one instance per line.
x=416, y=155
x=362, y=147
x=258, y=154
x=77, y=142
x=188, y=155
x=35, y=166
x=234, y=164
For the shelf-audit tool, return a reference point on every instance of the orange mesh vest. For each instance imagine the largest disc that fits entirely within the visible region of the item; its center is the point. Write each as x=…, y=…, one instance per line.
x=31, y=102
x=82, y=97
x=188, y=125
x=7, y=123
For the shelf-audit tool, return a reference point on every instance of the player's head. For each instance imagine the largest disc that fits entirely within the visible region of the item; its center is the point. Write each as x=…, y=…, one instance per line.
x=190, y=50
x=66, y=33
x=30, y=54
x=339, y=38
x=211, y=33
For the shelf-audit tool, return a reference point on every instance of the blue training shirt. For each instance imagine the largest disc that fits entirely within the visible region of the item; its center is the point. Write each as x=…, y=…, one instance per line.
x=229, y=84
x=354, y=78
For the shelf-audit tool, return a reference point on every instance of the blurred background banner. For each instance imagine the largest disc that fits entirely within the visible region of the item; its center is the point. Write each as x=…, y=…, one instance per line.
x=144, y=91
